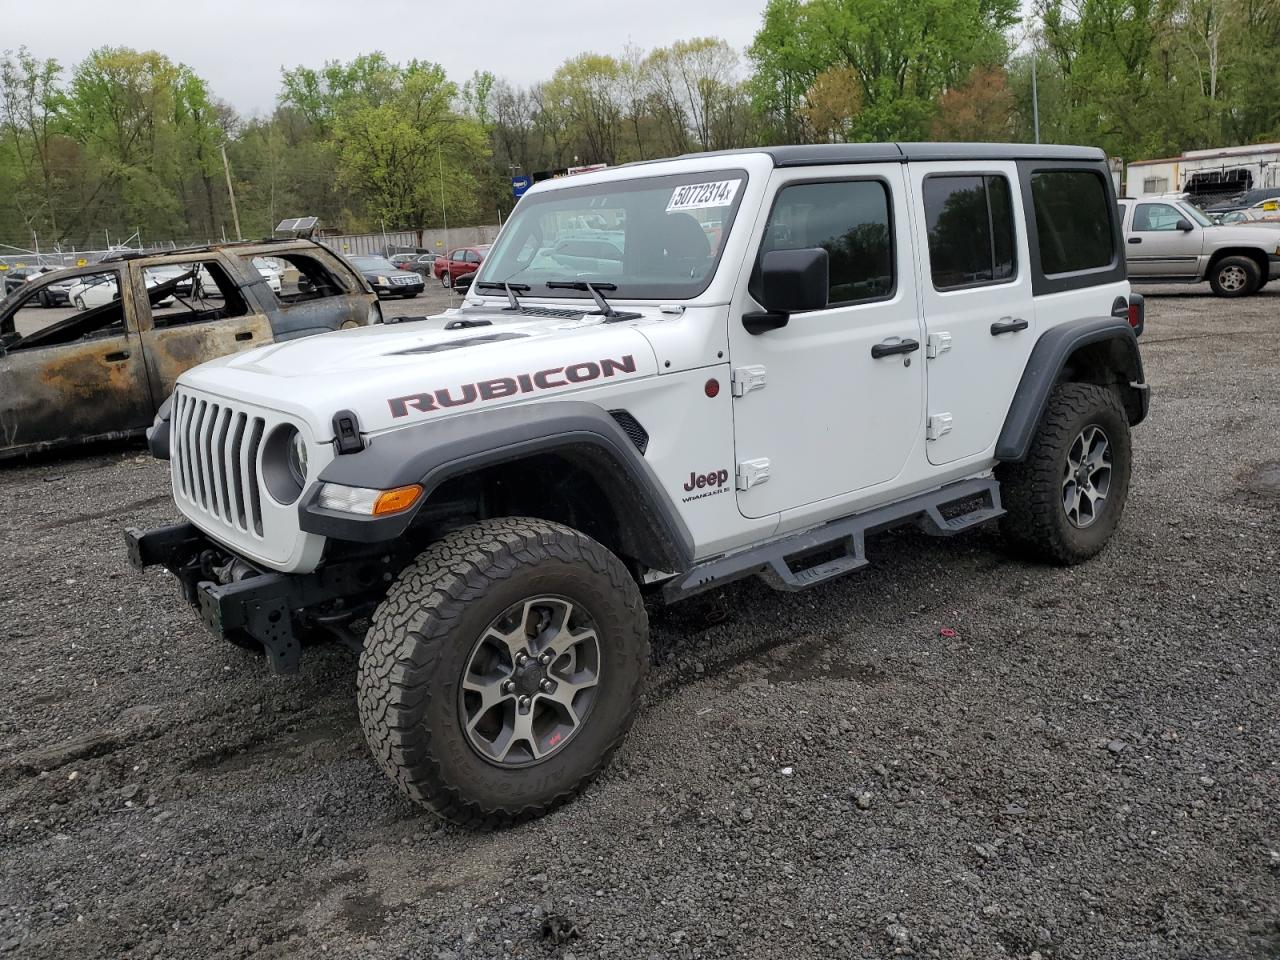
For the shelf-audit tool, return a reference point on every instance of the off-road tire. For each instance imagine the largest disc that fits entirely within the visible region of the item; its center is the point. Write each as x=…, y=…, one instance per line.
x=1036, y=522
x=422, y=636
x=1234, y=266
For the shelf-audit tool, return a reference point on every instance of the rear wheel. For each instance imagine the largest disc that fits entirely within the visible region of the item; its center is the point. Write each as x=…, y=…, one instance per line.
x=1064, y=501
x=503, y=670
x=1235, y=277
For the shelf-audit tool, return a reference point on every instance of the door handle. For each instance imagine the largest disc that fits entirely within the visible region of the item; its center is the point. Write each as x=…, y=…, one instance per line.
x=1008, y=325
x=246, y=335
x=1135, y=239
x=117, y=356
x=891, y=348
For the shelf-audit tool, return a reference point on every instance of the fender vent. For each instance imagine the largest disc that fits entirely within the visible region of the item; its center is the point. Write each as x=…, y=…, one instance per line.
x=631, y=427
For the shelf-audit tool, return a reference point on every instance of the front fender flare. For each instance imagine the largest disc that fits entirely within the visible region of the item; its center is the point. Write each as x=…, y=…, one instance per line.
x=431, y=453
x=1050, y=357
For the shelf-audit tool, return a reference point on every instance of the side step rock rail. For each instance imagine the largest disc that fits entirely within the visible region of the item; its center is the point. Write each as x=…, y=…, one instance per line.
x=782, y=563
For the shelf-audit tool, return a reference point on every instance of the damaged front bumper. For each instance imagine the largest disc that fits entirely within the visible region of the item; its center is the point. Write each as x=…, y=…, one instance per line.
x=256, y=608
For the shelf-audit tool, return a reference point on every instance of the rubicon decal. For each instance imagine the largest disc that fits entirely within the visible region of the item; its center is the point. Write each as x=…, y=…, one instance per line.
x=499, y=387
x=709, y=483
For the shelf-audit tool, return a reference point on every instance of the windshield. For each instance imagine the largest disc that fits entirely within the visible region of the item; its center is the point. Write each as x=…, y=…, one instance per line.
x=373, y=263
x=1194, y=213
x=652, y=237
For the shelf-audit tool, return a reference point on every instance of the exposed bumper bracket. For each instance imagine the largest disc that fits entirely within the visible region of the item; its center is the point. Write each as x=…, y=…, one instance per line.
x=262, y=608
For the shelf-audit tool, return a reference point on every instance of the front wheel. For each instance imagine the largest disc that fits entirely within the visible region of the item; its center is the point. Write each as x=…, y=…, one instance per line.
x=79, y=302
x=502, y=670
x=1235, y=277
x=1064, y=501
x=446, y=280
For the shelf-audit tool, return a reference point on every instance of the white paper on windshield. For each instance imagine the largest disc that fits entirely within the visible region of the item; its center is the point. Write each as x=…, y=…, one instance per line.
x=699, y=196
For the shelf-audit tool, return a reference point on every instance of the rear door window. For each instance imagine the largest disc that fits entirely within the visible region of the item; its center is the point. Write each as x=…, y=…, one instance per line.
x=1073, y=220
x=970, y=224
x=195, y=291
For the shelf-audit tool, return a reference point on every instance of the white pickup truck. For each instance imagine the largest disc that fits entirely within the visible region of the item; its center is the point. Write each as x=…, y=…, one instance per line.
x=1172, y=241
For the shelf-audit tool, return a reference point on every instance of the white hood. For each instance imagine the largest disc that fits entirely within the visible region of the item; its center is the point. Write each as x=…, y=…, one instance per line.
x=402, y=373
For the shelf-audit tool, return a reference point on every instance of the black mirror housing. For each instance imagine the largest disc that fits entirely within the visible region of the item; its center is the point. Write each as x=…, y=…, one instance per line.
x=1185, y=226
x=795, y=280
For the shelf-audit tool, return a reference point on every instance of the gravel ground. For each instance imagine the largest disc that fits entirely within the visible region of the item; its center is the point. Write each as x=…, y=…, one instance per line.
x=1087, y=768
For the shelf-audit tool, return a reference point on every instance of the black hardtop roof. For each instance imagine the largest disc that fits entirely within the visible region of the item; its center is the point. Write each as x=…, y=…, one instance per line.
x=832, y=153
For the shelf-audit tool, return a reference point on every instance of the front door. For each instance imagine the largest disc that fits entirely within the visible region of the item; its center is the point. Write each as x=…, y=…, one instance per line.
x=192, y=311
x=817, y=410
x=76, y=374
x=975, y=283
x=1157, y=248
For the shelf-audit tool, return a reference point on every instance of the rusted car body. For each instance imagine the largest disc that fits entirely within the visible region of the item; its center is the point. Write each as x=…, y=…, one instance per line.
x=102, y=371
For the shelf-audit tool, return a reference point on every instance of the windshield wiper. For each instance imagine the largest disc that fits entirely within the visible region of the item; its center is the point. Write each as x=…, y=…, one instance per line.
x=507, y=288
x=592, y=287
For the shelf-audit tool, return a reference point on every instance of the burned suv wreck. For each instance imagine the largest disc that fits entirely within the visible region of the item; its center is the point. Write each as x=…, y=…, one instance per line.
x=665, y=377
x=100, y=367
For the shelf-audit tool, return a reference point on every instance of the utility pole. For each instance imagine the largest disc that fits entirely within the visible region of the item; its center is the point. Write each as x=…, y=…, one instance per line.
x=444, y=213
x=1035, y=97
x=231, y=191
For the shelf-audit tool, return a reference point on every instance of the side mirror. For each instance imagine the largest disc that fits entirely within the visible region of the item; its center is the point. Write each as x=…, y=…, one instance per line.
x=463, y=283
x=1185, y=226
x=791, y=281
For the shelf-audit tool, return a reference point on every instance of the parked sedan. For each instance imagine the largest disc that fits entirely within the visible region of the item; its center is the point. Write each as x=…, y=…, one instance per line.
x=459, y=263
x=420, y=263
x=53, y=295
x=97, y=289
x=387, y=279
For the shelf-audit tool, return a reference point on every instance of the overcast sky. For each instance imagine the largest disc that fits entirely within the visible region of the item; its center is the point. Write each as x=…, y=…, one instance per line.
x=239, y=46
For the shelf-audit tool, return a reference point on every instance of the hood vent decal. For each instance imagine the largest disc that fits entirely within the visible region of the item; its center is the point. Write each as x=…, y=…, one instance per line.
x=465, y=342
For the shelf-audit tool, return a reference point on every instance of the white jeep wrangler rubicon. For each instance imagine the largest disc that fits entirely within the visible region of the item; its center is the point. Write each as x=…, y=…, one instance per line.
x=666, y=376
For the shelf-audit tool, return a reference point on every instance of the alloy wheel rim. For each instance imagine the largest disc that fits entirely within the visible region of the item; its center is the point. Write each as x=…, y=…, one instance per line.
x=1232, y=278
x=530, y=681
x=1086, y=476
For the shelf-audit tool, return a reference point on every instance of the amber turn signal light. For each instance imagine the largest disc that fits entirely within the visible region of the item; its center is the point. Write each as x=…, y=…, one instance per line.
x=393, y=501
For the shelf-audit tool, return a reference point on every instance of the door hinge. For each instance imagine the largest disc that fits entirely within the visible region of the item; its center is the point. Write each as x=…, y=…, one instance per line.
x=937, y=344
x=752, y=472
x=746, y=379
x=937, y=426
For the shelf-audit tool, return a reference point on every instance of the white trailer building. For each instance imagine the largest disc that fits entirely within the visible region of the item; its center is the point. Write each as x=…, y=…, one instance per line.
x=1221, y=170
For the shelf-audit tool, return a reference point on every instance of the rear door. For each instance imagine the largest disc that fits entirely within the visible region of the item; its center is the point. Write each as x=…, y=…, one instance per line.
x=1155, y=247
x=182, y=330
x=818, y=413
x=975, y=287
x=81, y=374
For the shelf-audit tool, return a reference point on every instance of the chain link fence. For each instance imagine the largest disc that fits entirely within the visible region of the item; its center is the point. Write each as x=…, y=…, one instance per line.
x=353, y=244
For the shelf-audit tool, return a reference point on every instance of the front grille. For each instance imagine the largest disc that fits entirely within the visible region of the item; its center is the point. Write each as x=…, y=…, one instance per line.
x=406, y=281
x=214, y=446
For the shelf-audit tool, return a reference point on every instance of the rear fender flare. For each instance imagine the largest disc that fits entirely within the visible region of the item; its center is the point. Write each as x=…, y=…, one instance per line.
x=1049, y=358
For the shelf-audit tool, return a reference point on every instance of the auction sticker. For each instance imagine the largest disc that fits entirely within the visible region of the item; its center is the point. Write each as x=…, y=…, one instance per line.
x=698, y=196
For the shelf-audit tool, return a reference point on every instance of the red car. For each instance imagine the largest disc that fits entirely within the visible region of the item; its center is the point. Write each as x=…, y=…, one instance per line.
x=459, y=263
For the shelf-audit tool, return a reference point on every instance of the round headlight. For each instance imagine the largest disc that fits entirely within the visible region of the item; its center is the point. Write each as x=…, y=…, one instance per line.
x=298, y=458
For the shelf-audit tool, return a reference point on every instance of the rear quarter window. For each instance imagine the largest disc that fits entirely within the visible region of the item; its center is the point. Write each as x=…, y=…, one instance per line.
x=304, y=277
x=1073, y=221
